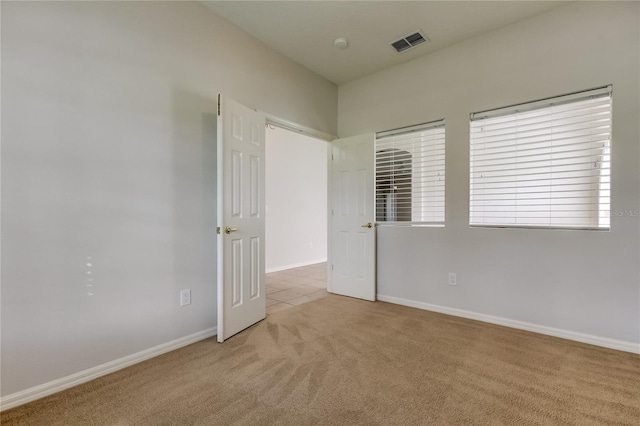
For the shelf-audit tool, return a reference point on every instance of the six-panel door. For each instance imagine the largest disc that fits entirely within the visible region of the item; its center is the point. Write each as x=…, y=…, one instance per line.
x=241, y=298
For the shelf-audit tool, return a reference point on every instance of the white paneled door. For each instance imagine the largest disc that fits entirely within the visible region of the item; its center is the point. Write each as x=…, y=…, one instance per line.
x=241, y=221
x=352, y=255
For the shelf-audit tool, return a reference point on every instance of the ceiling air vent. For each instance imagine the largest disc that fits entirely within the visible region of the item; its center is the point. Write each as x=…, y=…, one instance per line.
x=407, y=42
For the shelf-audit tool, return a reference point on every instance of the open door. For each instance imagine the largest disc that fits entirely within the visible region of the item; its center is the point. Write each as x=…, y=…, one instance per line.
x=352, y=252
x=241, y=219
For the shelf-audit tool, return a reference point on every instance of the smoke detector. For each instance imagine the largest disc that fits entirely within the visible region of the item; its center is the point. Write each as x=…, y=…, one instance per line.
x=341, y=43
x=409, y=41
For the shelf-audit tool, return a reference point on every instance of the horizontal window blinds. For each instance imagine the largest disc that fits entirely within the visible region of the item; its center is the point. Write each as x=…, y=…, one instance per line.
x=543, y=164
x=410, y=175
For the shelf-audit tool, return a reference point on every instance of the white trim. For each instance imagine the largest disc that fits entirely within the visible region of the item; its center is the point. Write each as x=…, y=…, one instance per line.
x=605, y=342
x=46, y=389
x=298, y=128
x=295, y=265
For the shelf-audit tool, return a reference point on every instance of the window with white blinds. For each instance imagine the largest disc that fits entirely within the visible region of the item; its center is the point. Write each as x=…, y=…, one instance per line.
x=410, y=175
x=543, y=164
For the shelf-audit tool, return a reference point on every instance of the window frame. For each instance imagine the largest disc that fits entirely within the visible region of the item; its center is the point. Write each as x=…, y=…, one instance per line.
x=600, y=218
x=435, y=130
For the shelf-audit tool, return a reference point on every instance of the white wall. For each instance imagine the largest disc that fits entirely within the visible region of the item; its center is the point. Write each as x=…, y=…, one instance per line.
x=580, y=281
x=296, y=200
x=108, y=158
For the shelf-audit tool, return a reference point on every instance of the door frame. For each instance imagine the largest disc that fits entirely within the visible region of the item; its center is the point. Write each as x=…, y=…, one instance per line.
x=298, y=128
x=328, y=137
x=285, y=124
x=317, y=134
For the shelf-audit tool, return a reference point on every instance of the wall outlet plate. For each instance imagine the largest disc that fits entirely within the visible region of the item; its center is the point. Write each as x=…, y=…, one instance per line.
x=185, y=297
x=453, y=279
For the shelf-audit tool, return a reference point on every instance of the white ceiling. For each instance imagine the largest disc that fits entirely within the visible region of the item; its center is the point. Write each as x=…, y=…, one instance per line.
x=304, y=31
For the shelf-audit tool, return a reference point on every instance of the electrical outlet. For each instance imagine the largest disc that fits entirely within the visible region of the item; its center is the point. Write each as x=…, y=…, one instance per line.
x=453, y=278
x=185, y=297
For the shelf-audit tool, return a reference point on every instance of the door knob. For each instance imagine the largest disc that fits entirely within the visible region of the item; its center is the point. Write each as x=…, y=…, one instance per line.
x=368, y=225
x=229, y=230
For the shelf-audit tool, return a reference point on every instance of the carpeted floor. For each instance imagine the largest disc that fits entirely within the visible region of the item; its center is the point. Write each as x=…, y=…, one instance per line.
x=342, y=361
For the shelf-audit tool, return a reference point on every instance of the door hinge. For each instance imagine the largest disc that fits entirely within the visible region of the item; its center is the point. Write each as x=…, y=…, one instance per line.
x=218, y=230
x=218, y=107
x=332, y=213
x=332, y=266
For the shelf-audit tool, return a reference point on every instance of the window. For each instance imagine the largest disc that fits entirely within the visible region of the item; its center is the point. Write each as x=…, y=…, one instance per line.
x=543, y=164
x=410, y=175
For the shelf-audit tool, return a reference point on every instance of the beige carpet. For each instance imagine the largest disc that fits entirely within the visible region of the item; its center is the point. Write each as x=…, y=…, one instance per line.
x=339, y=361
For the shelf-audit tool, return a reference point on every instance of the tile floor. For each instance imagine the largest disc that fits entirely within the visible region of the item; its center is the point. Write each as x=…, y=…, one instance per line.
x=296, y=286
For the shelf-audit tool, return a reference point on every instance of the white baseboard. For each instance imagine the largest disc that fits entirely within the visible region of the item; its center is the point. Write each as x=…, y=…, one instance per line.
x=46, y=389
x=295, y=265
x=521, y=325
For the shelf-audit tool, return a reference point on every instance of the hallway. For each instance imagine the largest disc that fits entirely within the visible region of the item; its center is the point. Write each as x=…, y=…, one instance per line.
x=295, y=286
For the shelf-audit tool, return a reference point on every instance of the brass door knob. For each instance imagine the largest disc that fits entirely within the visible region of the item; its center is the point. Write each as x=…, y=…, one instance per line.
x=368, y=225
x=229, y=230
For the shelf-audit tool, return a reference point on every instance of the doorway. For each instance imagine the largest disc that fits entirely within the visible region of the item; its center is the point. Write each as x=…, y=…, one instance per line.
x=296, y=218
